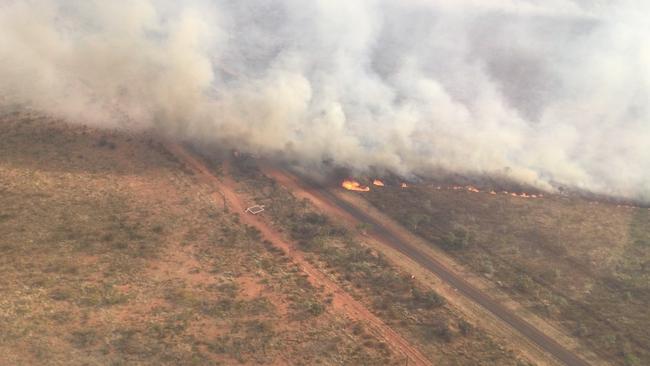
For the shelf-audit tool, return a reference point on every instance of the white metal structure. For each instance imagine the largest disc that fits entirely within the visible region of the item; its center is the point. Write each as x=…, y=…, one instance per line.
x=255, y=209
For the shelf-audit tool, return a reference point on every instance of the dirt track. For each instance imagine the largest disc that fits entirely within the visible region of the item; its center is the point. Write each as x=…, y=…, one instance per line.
x=384, y=235
x=341, y=301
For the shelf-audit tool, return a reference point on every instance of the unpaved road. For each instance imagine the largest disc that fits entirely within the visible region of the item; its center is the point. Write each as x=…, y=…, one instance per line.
x=386, y=236
x=341, y=300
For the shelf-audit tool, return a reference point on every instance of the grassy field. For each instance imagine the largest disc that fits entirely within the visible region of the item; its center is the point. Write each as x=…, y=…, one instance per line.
x=112, y=253
x=419, y=314
x=581, y=264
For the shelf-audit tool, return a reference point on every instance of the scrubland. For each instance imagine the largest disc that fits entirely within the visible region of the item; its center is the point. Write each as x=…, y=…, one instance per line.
x=580, y=264
x=112, y=253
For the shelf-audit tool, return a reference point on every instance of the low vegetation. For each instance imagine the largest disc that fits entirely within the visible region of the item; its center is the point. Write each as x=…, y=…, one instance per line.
x=420, y=314
x=112, y=253
x=580, y=264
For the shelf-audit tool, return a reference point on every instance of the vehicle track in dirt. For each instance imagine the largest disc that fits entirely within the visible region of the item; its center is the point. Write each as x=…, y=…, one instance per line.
x=342, y=302
x=439, y=269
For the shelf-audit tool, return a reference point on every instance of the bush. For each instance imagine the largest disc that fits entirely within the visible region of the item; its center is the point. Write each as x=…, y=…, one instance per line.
x=315, y=219
x=308, y=308
x=84, y=338
x=304, y=232
x=465, y=327
x=457, y=239
x=524, y=283
x=104, y=295
x=104, y=142
x=438, y=330
x=631, y=360
x=427, y=299
x=415, y=221
x=60, y=294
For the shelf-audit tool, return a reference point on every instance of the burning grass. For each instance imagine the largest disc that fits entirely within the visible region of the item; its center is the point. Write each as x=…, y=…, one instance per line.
x=353, y=185
x=419, y=314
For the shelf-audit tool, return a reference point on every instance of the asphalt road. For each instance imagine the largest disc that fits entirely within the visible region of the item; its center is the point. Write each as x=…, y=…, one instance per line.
x=526, y=329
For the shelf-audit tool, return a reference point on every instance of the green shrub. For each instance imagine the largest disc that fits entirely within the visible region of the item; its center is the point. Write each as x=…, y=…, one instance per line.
x=524, y=283
x=465, y=327
x=438, y=330
x=427, y=299
x=84, y=338
x=457, y=239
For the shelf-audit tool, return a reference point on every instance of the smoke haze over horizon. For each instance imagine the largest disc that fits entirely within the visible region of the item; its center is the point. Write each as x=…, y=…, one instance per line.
x=544, y=92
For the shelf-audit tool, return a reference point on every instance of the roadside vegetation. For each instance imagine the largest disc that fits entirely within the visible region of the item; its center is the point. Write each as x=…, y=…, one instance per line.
x=420, y=314
x=583, y=265
x=112, y=253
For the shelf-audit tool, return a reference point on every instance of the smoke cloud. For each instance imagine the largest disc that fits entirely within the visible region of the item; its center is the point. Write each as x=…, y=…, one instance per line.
x=548, y=93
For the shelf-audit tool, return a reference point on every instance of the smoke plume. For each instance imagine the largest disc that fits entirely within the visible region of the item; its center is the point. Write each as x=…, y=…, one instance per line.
x=545, y=92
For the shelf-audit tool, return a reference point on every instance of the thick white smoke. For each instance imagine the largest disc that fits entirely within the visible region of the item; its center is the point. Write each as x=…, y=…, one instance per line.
x=546, y=92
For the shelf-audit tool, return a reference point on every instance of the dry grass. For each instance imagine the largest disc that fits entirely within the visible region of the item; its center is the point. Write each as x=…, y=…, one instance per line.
x=113, y=254
x=420, y=315
x=583, y=265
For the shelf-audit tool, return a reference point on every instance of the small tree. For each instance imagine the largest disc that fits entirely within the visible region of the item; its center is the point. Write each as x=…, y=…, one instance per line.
x=415, y=221
x=457, y=239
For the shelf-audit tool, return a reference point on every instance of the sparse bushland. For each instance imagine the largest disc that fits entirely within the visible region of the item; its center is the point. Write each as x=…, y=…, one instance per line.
x=418, y=313
x=112, y=253
x=585, y=266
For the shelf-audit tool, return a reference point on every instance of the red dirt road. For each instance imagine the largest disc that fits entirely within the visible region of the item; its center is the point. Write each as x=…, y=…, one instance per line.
x=341, y=301
x=440, y=270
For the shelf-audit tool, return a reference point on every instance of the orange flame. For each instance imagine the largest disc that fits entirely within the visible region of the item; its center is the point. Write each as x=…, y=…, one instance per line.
x=473, y=189
x=378, y=183
x=352, y=185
